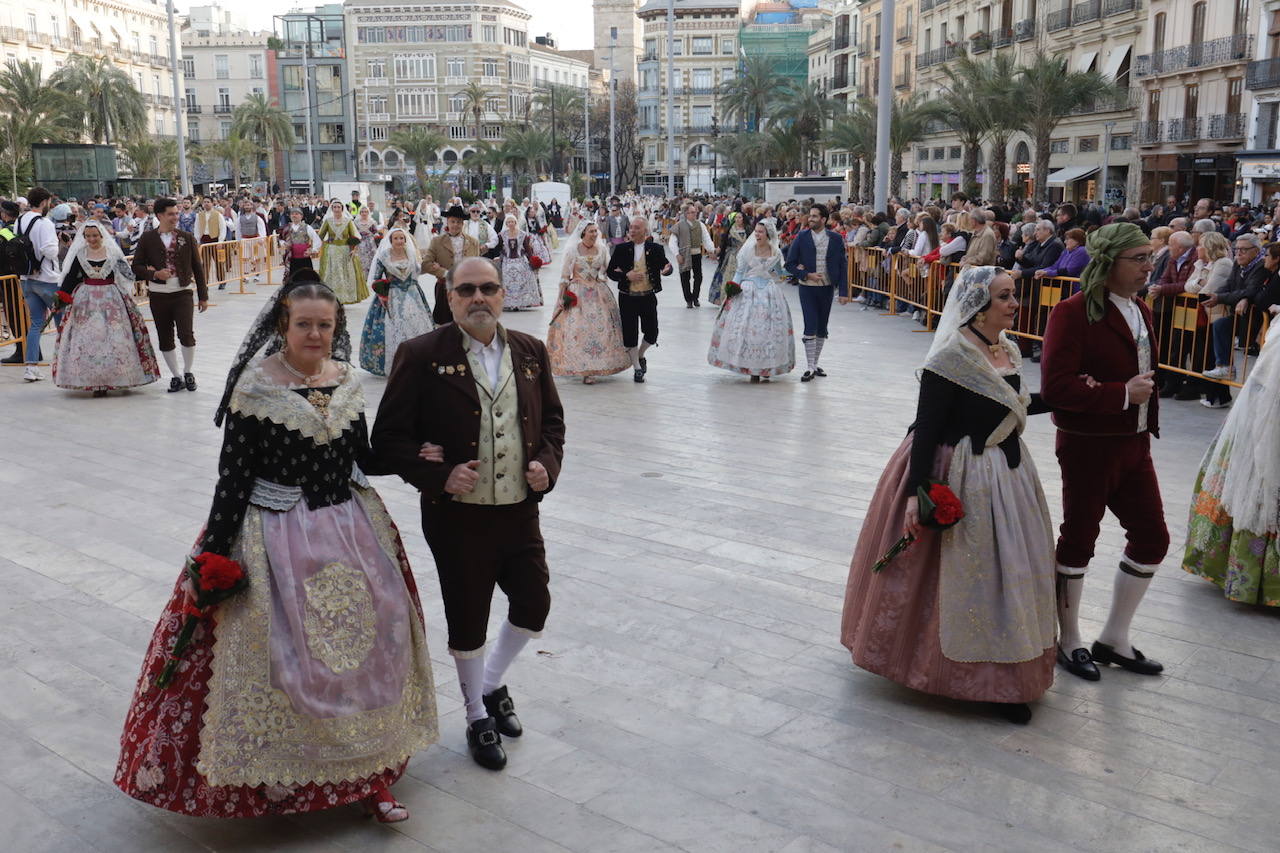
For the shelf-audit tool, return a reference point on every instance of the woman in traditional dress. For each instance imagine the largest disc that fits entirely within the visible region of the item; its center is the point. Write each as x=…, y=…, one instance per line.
x=370, y=232
x=519, y=279
x=966, y=612
x=299, y=243
x=339, y=266
x=103, y=344
x=734, y=236
x=753, y=333
x=585, y=338
x=311, y=688
x=1232, y=538
x=400, y=315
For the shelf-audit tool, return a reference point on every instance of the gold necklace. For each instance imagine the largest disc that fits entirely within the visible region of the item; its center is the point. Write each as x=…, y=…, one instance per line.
x=306, y=380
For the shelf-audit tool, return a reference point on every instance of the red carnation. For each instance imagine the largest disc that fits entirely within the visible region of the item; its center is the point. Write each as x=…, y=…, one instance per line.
x=214, y=578
x=570, y=299
x=947, y=509
x=217, y=572
x=64, y=297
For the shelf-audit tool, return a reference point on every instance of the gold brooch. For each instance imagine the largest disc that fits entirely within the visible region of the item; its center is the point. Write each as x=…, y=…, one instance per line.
x=449, y=370
x=320, y=401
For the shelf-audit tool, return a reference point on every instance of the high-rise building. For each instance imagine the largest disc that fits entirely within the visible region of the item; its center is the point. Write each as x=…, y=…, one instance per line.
x=706, y=55
x=133, y=35
x=617, y=17
x=833, y=66
x=312, y=61
x=1260, y=162
x=1191, y=68
x=411, y=62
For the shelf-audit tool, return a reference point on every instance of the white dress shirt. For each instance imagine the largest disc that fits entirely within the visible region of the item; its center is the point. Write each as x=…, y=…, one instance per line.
x=1133, y=318
x=490, y=355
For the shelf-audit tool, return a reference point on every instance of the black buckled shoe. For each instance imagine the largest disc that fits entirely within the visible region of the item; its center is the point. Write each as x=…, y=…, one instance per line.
x=644, y=364
x=818, y=371
x=1079, y=663
x=807, y=376
x=486, y=744
x=637, y=375
x=503, y=711
x=1105, y=654
x=190, y=381
x=175, y=384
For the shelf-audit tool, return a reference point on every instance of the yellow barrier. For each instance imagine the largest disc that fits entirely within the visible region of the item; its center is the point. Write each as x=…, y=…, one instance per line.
x=236, y=261
x=1182, y=325
x=14, y=319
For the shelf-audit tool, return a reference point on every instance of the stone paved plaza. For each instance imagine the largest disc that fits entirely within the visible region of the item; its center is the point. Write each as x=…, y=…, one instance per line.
x=690, y=692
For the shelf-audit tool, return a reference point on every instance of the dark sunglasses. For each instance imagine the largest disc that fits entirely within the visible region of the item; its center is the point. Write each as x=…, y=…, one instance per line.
x=466, y=291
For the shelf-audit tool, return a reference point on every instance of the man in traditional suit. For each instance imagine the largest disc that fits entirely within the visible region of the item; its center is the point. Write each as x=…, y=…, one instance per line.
x=692, y=242
x=638, y=266
x=1099, y=363
x=487, y=396
x=167, y=259
x=816, y=258
x=615, y=226
x=445, y=250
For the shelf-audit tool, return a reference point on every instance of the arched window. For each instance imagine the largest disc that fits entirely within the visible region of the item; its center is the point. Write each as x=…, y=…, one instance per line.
x=391, y=158
x=450, y=156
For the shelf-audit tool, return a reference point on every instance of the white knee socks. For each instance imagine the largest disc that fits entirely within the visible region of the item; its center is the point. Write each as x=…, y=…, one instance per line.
x=1132, y=581
x=188, y=357
x=811, y=352
x=817, y=350
x=1070, y=588
x=644, y=347
x=471, y=680
x=171, y=359
x=634, y=352
x=510, y=642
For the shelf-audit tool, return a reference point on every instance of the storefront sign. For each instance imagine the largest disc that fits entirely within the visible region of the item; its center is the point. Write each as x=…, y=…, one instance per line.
x=1260, y=169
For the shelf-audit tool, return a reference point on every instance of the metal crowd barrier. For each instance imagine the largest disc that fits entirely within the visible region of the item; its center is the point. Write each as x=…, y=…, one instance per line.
x=237, y=261
x=1183, y=326
x=14, y=319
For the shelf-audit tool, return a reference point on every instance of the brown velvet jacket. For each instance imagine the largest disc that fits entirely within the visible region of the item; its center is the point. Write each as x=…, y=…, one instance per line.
x=149, y=256
x=426, y=400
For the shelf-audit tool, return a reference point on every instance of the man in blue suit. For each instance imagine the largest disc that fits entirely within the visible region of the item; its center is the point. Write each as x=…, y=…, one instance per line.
x=816, y=259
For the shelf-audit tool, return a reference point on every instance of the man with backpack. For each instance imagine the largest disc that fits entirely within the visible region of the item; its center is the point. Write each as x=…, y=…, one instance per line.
x=39, y=239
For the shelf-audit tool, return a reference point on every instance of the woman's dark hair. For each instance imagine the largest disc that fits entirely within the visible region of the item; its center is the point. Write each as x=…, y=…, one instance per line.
x=930, y=228
x=307, y=285
x=1076, y=234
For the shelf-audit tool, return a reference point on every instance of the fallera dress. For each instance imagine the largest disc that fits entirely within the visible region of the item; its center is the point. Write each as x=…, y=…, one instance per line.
x=519, y=279
x=404, y=315
x=966, y=612
x=586, y=339
x=368, y=232
x=314, y=684
x=103, y=343
x=339, y=266
x=753, y=333
x=727, y=268
x=1235, y=506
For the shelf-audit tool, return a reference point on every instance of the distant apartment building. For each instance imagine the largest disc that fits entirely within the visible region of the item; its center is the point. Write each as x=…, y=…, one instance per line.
x=221, y=66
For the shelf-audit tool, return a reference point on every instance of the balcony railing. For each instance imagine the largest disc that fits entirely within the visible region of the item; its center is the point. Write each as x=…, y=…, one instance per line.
x=1237, y=48
x=651, y=56
x=934, y=125
x=1183, y=129
x=864, y=49
x=1227, y=126
x=1025, y=30
x=1089, y=10
x=1059, y=20
x=12, y=34
x=980, y=44
x=223, y=109
x=840, y=80
x=902, y=80
x=378, y=118
x=1263, y=74
x=165, y=100
x=927, y=5
x=1118, y=7
x=904, y=33
x=1147, y=132
x=841, y=41
x=1122, y=100
x=1001, y=39
x=193, y=109
x=148, y=98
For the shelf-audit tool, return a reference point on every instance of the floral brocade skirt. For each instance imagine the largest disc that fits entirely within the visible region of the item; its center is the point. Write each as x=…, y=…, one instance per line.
x=103, y=343
x=304, y=692
x=586, y=340
x=404, y=316
x=753, y=334
x=893, y=621
x=340, y=269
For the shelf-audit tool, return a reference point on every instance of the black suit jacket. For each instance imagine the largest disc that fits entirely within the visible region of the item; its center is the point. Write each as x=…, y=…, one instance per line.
x=624, y=258
x=428, y=399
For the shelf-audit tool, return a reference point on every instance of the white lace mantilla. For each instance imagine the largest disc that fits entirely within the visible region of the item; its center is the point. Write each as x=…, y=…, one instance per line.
x=258, y=395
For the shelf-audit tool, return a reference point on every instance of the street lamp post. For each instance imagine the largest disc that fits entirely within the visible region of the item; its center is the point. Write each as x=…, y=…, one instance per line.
x=884, y=106
x=671, y=99
x=613, y=127
x=306, y=97
x=555, y=153
x=184, y=181
x=715, y=157
x=1106, y=160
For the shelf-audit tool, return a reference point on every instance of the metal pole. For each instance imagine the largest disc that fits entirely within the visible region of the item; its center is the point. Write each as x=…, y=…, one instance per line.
x=555, y=153
x=884, y=106
x=306, y=93
x=184, y=181
x=1106, y=162
x=613, y=126
x=671, y=99
x=586, y=131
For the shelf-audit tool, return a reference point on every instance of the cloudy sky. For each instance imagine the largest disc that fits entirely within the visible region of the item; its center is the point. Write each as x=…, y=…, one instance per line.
x=569, y=21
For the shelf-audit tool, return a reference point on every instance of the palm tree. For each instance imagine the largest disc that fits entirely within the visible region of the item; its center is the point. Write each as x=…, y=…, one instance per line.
x=906, y=128
x=747, y=97
x=557, y=108
x=151, y=158
x=1048, y=94
x=114, y=109
x=259, y=118
x=528, y=147
x=786, y=148
x=475, y=98
x=808, y=111
x=1000, y=103
x=856, y=134
x=238, y=153
x=32, y=111
x=962, y=108
x=419, y=145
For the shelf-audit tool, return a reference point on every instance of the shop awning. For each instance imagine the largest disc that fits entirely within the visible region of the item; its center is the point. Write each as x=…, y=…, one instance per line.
x=1114, y=60
x=1085, y=62
x=1062, y=177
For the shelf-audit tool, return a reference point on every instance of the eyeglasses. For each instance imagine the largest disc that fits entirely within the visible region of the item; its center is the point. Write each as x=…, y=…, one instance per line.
x=488, y=288
x=1246, y=249
x=1138, y=259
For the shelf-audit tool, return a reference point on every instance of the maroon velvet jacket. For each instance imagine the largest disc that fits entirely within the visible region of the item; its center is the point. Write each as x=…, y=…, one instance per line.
x=1104, y=350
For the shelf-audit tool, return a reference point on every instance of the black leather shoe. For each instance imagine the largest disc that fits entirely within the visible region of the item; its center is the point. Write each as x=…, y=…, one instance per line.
x=818, y=371
x=503, y=711
x=16, y=358
x=807, y=376
x=1105, y=654
x=1080, y=663
x=486, y=744
x=175, y=384
x=697, y=304
x=1018, y=713
x=638, y=375
x=190, y=381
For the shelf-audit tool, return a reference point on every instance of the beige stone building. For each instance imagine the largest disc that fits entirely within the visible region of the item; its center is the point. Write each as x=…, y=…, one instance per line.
x=617, y=17
x=1095, y=35
x=410, y=61
x=134, y=35
x=221, y=66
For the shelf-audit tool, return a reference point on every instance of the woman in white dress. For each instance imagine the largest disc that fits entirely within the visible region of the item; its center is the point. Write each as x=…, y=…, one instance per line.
x=753, y=333
x=519, y=278
x=402, y=313
x=585, y=337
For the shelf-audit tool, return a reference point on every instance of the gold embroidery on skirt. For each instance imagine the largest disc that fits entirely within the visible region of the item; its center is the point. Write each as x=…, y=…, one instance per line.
x=340, y=622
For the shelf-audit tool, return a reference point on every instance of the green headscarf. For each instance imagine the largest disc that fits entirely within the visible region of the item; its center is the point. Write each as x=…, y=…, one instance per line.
x=1104, y=246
